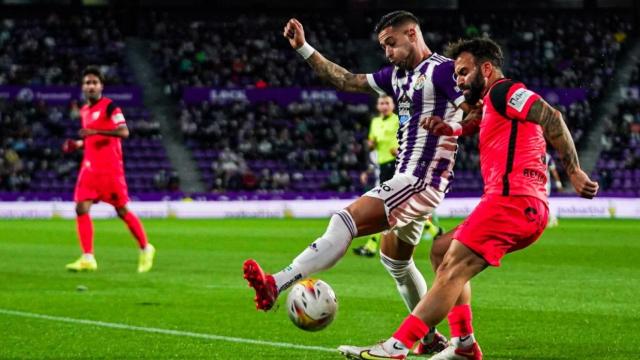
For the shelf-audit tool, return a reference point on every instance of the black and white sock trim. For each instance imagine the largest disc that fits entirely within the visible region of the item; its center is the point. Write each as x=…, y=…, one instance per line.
x=348, y=221
x=395, y=264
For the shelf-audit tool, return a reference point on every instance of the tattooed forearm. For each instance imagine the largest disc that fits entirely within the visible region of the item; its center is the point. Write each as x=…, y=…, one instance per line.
x=338, y=76
x=556, y=132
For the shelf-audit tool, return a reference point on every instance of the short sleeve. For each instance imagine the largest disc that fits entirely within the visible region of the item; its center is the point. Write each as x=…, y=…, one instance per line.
x=380, y=81
x=444, y=80
x=117, y=117
x=519, y=100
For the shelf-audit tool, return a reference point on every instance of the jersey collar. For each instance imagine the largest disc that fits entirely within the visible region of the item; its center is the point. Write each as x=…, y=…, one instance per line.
x=494, y=84
x=96, y=103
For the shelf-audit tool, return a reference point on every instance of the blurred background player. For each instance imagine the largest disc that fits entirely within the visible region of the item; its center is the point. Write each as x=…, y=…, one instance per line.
x=101, y=176
x=552, y=171
x=383, y=144
x=512, y=213
x=422, y=84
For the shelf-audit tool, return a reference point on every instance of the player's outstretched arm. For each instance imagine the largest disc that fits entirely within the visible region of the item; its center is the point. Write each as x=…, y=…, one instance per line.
x=557, y=133
x=328, y=71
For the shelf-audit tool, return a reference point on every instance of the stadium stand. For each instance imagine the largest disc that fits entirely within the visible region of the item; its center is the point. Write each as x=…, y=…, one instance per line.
x=302, y=147
x=241, y=51
x=54, y=49
x=268, y=147
x=618, y=168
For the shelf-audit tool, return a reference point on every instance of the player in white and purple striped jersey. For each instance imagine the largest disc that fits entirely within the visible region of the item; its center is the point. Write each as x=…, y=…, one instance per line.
x=423, y=85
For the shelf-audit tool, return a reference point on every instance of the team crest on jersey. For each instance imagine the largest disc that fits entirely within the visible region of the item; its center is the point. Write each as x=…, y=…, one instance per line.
x=420, y=82
x=95, y=115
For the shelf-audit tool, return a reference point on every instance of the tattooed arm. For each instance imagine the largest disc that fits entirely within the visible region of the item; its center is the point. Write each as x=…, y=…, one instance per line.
x=338, y=76
x=328, y=71
x=558, y=135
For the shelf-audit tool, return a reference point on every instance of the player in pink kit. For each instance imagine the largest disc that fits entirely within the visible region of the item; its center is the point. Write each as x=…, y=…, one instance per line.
x=101, y=176
x=513, y=211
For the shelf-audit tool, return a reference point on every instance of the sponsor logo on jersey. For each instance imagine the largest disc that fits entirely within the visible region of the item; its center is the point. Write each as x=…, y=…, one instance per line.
x=519, y=98
x=534, y=175
x=404, y=108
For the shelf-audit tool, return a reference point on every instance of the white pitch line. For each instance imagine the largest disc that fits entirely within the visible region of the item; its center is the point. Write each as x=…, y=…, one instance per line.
x=164, y=331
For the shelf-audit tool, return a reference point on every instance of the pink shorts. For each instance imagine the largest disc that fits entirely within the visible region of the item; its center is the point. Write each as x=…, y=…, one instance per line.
x=110, y=188
x=502, y=224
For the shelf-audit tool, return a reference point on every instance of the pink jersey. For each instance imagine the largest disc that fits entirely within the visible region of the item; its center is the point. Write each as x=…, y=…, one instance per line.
x=102, y=154
x=512, y=150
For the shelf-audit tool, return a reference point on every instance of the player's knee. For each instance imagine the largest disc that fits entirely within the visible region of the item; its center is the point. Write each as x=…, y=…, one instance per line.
x=122, y=212
x=439, y=248
x=81, y=209
x=446, y=273
x=368, y=214
x=451, y=269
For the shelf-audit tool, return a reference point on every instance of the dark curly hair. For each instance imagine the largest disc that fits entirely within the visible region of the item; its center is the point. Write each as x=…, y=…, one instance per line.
x=483, y=49
x=93, y=70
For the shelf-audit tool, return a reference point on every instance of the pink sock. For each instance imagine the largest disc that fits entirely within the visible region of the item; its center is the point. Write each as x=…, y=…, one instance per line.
x=460, y=320
x=411, y=330
x=136, y=228
x=85, y=233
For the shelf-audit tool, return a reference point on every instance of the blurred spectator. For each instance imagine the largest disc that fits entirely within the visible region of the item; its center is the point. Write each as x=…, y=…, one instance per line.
x=243, y=51
x=53, y=50
x=287, y=148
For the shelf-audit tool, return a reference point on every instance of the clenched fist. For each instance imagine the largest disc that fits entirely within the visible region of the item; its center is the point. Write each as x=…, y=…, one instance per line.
x=294, y=32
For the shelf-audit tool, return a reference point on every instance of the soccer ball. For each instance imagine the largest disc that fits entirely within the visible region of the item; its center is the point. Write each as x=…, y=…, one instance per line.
x=312, y=304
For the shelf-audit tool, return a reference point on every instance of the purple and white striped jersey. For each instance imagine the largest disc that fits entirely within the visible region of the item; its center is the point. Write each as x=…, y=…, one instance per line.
x=429, y=89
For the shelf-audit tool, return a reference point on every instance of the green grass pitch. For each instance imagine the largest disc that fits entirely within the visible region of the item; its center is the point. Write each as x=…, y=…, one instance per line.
x=572, y=295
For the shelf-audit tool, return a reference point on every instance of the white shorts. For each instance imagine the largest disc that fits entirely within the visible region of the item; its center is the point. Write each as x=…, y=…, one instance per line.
x=408, y=203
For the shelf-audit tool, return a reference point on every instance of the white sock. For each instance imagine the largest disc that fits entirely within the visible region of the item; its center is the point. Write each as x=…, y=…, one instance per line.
x=147, y=248
x=463, y=341
x=322, y=254
x=88, y=257
x=394, y=346
x=409, y=280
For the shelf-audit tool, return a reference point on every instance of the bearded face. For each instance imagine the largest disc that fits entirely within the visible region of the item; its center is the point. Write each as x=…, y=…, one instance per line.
x=473, y=90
